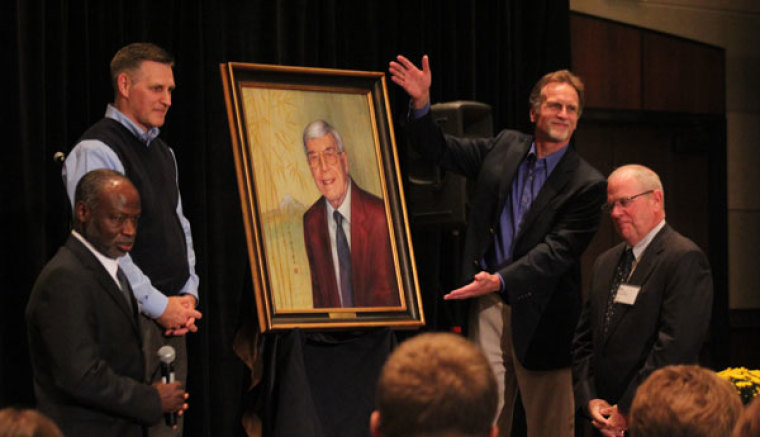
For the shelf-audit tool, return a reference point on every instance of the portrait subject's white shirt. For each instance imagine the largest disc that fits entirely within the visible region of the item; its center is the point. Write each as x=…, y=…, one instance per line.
x=345, y=210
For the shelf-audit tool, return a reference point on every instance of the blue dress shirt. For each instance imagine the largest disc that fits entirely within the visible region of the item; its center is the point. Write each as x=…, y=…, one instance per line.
x=531, y=176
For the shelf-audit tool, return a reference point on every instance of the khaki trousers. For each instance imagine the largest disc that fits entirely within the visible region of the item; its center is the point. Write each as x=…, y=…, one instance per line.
x=547, y=396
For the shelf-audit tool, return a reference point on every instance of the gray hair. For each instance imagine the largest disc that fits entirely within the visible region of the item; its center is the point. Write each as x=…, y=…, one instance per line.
x=645, y=176
x=318, y=129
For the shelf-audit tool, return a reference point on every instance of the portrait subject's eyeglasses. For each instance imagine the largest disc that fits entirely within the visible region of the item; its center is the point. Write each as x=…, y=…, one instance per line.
x=330, y=156
x=624, y=202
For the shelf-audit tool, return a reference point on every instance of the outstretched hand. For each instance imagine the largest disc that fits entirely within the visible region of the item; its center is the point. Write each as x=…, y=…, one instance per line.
x=483, y=283
x=414, y=81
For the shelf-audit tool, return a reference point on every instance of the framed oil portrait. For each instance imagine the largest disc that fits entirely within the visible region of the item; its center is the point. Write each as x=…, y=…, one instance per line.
x=323, y=206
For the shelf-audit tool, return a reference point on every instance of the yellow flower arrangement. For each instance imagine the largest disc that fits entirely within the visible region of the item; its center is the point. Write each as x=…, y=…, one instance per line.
x=746, y=382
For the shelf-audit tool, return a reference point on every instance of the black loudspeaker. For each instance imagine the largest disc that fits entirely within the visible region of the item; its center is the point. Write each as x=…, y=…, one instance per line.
x=438, y=197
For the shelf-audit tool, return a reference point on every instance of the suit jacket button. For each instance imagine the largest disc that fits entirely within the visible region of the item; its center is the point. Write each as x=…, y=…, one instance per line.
x=491, y=230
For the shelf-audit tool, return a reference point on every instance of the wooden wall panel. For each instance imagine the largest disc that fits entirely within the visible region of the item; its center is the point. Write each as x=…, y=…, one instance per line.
x=592, y=141
x=682, y=76
x=607, y=56
x=677, y=128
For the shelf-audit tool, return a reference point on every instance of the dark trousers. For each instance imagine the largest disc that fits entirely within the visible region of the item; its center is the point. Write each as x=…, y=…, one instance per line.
x=153, y=339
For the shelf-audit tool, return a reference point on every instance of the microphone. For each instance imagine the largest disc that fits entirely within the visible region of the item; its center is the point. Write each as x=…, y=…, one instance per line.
x=59, y=157
x=166, y=355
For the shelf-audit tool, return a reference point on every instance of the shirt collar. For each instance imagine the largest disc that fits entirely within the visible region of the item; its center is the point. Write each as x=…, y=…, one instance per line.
x=345, y=208
x=110, y=264
x=551, y=160
x=145, y=137
x=641, y=246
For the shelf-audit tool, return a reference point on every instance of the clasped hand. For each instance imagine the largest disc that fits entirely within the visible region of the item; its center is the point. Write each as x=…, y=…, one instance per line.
x=606, y=418
x=180, y=315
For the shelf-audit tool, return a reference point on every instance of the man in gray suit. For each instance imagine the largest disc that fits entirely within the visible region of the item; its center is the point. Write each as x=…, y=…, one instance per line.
x=84, y=336
x=649, y=302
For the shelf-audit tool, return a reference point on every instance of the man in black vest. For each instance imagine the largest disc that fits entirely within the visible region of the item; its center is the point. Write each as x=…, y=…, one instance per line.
x=161, y=267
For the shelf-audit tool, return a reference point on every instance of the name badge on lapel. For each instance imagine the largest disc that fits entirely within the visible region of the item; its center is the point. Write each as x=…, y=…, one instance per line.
x=627, y=294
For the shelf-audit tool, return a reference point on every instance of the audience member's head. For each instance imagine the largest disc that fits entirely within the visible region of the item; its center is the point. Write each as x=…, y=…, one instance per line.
x=684, y=401
x=749, y=421
x=26, y=423
x=435, y=384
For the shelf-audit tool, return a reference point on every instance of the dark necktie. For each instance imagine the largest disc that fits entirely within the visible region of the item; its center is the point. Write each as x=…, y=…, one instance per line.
x=344, y=261
x=126, y=290
x=621, y=274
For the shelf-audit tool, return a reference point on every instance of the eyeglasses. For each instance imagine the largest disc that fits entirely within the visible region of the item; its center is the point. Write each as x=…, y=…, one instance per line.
x=625, y=201
x=330, y=157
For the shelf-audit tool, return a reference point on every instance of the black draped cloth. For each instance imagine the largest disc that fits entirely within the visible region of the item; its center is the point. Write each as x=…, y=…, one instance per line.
x=321, y=385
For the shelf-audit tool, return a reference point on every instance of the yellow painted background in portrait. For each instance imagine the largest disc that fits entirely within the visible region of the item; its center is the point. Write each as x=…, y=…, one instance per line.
x=274, y=120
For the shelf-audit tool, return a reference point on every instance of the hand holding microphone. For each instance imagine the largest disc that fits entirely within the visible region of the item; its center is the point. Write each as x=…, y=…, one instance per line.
x=171, y=392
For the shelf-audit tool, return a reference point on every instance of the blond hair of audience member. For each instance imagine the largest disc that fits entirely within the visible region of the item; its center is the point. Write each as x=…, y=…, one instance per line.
x=435, y=384
x=16, y=422
x=684, y=401
x=749, y=421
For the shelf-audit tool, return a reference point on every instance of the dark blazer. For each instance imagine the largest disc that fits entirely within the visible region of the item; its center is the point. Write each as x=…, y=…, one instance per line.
x=85, y=348
x=666, y=324
x=543, y=280
x=373, y=275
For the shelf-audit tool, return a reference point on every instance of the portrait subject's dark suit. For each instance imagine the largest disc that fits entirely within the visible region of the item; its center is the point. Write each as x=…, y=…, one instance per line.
x=373, y=275
x=667, y=323
x=85, y=348
x=543, y=279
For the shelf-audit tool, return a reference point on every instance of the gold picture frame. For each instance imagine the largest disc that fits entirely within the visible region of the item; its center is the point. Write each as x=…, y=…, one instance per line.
x=285, y=193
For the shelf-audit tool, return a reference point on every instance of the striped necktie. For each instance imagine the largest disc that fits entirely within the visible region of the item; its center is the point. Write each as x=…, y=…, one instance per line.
x=344, y=262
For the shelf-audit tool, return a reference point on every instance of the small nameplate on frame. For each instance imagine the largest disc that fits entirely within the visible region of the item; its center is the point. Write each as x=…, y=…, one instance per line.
x=342, y=315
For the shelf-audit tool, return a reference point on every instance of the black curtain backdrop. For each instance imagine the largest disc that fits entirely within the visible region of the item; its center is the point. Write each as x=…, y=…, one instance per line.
x=56, y=83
